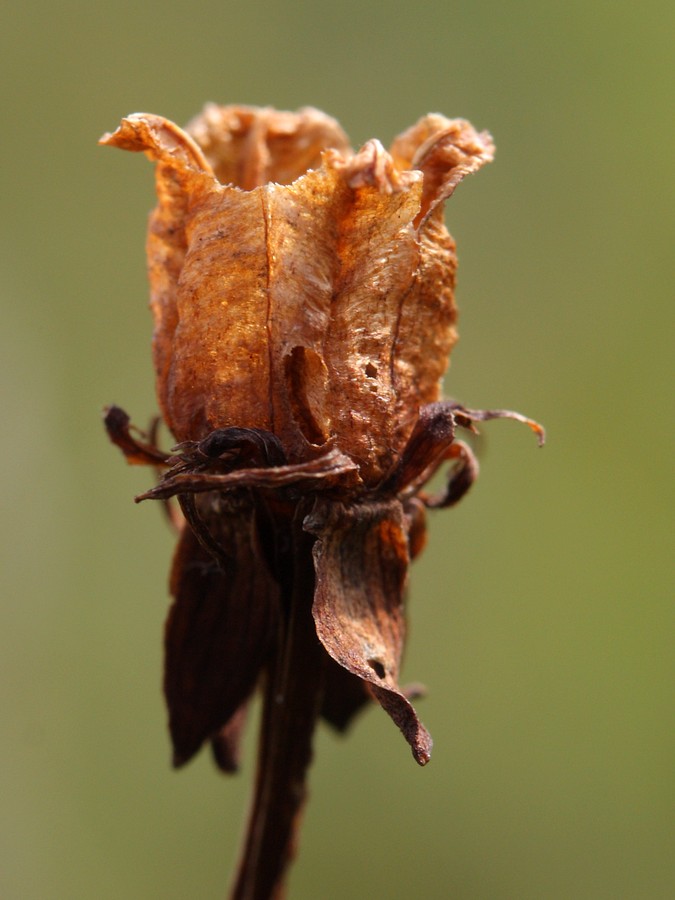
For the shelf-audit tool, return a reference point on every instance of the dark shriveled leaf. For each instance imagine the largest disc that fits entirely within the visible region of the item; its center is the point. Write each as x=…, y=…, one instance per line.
x=137, y=452
x=218, y=635
x=334, y=468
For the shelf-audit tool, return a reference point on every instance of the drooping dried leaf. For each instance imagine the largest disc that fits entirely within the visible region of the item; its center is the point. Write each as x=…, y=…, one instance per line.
x=361, y=562
x=344, y=695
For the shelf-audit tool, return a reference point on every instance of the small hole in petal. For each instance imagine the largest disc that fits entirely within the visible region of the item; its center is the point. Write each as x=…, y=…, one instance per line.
x=371, y=370
x=377, y=667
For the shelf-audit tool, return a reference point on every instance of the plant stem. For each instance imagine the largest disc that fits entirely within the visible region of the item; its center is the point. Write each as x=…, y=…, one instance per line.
x=291, y=702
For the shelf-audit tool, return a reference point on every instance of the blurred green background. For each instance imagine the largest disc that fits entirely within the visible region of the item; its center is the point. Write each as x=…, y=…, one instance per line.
x=541, y=616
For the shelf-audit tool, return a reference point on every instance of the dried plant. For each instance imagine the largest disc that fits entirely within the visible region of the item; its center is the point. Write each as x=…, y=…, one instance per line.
x=303, y=298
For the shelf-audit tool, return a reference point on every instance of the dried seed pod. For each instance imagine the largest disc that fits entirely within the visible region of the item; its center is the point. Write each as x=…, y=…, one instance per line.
x=322, y=309
x=303, y=299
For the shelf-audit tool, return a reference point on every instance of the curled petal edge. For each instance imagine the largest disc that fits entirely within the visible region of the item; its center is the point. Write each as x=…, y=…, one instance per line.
x=160, y=138
x=445, y=150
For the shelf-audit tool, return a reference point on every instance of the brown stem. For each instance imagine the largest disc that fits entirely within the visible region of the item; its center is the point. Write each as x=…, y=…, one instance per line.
x=290, y=708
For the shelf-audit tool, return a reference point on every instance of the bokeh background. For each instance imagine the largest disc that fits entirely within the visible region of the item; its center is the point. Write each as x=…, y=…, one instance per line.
x=541, y=615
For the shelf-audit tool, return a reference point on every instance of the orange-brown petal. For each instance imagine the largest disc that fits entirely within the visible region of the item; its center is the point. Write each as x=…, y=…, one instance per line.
x=444, y=150
x=342, y=257
x=207, y=263
x=249, y=146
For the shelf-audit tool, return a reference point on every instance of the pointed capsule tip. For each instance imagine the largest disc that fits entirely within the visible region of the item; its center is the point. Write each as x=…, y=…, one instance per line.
x=178, y=760
x=422, y=755
x=422, y=747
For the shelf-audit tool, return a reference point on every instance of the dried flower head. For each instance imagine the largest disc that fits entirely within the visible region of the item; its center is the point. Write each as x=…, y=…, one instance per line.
x=303, y=298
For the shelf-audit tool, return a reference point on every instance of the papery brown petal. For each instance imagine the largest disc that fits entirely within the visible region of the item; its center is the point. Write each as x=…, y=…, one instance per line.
x=218, y=633
x=248, y=146
x=162, y=140
x=445, y=150
x=361, y=562
x=334, y=311
x=379, y=260
x=182, y=173
x=220, y=370
x=426, y=327
x=301, y=234
x=404, y=147
x=207, y=262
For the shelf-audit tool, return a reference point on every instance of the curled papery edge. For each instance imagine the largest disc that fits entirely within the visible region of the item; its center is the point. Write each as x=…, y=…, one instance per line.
x=446, y=151
x=160, y=138
x=249, y=146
